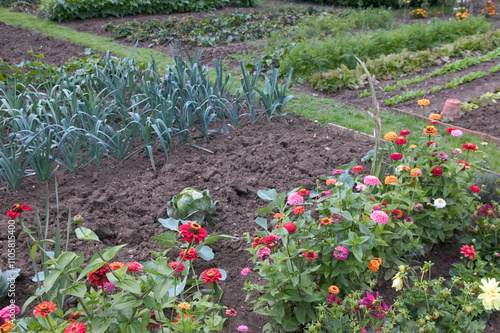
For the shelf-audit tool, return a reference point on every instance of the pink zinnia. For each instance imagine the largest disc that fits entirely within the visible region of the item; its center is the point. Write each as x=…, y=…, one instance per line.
x=295, y=199
x=442, y=155
x=456, y=132
x=176, y=266
x=134, y=267
x=380, y=217
x=340, y=252
x=404, y=132
x=242, y=328
x=371, y=180
x=245, y=271
x=360, y=187
x=337, y=171
x=108, y=287
x=76, y=328
x=468, y=251
x=5, y=312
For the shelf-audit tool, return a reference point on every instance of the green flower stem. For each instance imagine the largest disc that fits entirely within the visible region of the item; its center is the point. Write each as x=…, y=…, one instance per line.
x=50, y=324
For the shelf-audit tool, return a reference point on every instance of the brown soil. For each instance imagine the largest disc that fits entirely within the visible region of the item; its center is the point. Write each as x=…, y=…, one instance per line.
x=122, y=201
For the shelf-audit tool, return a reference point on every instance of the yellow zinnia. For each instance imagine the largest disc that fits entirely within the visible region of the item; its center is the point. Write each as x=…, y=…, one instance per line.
x=389, y=136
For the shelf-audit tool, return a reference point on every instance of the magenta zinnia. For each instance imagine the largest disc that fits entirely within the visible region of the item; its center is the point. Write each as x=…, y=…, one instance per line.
x=379, y=216
x=16, y=210
x=176, y=266
x=396, y=156
x=340, y=252
x=76, y=328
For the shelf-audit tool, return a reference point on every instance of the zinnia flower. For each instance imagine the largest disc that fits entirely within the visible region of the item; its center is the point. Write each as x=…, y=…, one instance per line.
x=374, y=264
x=116, y=265
x=264, y=253
x=303, y=192
x=177, y=266
x=371, y=180
x=298, y=210
x=439, y=203
x=278, y=216
x=134, y=267
x=466, y=165
x=400, y=141
x=242, y=328
x=442, y=155
x=245, y=271
x=357, y=168
x=295, y=199
x=389, y=136
x=450, y=129
x=434, y=116
x=468, y=251
x=325, y=221
x=333, y=289
x=397, y=282
x=191, y=254
x=99, y=277
x=418, y=207
x=108, y=287
x=404, y=132
x=290, y=227
x=416, y=172
x=6, y=312
x=337, y=171
x=231, y=312
x=333, y=299
x=380, y=217
x=413, y=146
x=456, y=133
x=44, y=309
x=272, y=241
x=211, y=275
x=430, y=130
x=190, y=231
x=336, y=218
x=340, y=252
x=491, y=294
x=437, y=171
x=475, y=189
x=469, y=146
x=396, y=156
x=6, y=326
x=434, y=122
x=76, y=328
x=390, y=179
x=16, y=210
x=360, y=187
x=423, y=102
x=331, y=181
x=184, y=305
x=402, y=168
x=310, y=255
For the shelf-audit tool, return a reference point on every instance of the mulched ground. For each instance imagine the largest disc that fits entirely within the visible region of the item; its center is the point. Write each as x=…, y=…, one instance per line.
x=122, y=201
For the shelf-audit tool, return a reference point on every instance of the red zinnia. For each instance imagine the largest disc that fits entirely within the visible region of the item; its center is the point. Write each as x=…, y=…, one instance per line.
x=290, y=227
x=297, y=210
x=190, y=231
x=17, y=210
x=310, y=255
x=76, y=328
x=469, y=146
x=396, y=156
x=400, y=140
x=257, y=241
x=191, y=254
x=429, y=143
x=437, y=171
x=211, y=275
x=475, y=189
x=357, y=168
x=450, y=129
x=134, y=267
x=466, y=165
x=303, y=192
x=176, y=266
x=179, y=317
x=45, y=308
x=434, y=122
x=468, y=251
x=272, y=241
x=98, y=277
x=404, y=132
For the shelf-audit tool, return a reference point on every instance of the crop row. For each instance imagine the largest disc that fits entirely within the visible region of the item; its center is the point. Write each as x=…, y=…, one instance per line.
x=394, y=65
x=116, y=109
x=456, y=81
x=319, y=55
x=211, y=30
x=67, y=10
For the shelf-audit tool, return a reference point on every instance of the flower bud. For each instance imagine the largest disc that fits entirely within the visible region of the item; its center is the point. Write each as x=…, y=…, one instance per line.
x=435, y=315
x=78, y=219
x=418, y=207
x=468, y=308
x=339, y=184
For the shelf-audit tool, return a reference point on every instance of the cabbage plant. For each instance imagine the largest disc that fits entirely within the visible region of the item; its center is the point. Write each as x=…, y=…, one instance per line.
x=192, y=205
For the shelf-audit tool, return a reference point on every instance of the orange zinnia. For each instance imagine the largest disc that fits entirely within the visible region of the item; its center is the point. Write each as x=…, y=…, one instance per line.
x=416, y=172
x=116, y=265
x=434, y=116
x=430, y=130
x=389, y=136
x=374, y=264
x=423, y=102
x=390, y=179
x=333, y=289
x=45, y=308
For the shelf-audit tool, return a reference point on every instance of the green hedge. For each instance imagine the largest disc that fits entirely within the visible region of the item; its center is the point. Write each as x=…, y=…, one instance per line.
x=67, y=10
x=310, y=56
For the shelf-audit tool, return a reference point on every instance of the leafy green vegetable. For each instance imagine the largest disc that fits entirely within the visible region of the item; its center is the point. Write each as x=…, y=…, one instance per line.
x=192, y=205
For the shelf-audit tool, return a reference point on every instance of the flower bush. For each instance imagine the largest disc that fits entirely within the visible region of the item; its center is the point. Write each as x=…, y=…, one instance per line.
x=344, y=234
